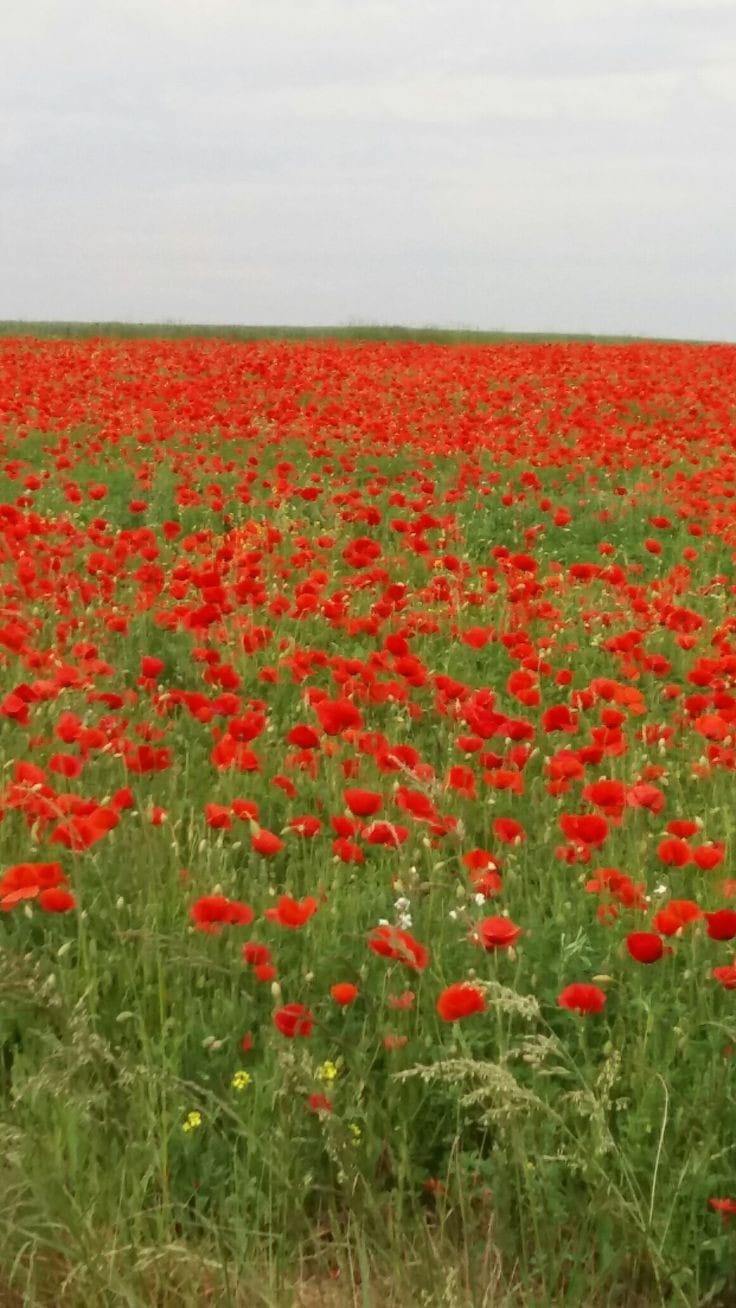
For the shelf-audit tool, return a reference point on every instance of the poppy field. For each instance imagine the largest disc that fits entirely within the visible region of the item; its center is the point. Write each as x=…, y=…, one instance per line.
x=367, y=880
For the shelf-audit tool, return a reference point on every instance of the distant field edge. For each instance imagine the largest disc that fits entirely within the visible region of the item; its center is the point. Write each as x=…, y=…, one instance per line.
x=357, y=332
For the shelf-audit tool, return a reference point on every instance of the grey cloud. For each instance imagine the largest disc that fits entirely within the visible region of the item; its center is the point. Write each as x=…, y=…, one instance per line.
x=562, y=164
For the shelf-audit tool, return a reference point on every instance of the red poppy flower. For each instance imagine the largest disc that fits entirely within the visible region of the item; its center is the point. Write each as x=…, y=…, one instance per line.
x=56, y=900
x=414, y=802
x=394, y=1041
x=726, y=1207
x=480, y=860
x=496, y=933
x=721, y=924
x=609, y=796
x=582, y=998
x=345, y=827
x=643, y=795
x=255, y=954
x=291, y=912
x=644, y=946
x=363, y=803
x=141, y=759
x=218, y=817
x=401, y=1003
x=303, y=737
x=347, y=851
x=266, y=843
x=85, y=829
x=708, y=857
x=151, y=667
x=265, y=972
x=293, y=1020
x=65, y=765
x=726, y=975
x=508, y=830
x=344, y=993
x=31, y=877
x=505, y=779
x=487, y=883
x=212, y=912
x=319, y=1103
x=683, y=829
x=674, y=852
x=560, y=718
x=459, y=1001
x=391, y=834
x=675, y=915
x=391, y=942
x=337, y=716
x=308, y=827
x=28, y=773
x=589, y=829
x=245, y=809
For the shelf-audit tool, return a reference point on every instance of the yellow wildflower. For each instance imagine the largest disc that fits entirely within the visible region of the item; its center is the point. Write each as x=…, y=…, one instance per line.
x=327, y=1071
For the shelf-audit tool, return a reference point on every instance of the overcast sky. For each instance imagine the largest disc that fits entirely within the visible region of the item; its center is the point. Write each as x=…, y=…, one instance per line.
x=562, y=165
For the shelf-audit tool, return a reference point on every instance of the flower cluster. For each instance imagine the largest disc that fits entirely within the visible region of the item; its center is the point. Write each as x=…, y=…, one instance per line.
x=369, y=679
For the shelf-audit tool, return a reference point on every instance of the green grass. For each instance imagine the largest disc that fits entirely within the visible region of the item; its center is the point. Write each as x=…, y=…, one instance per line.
x=233, y=332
